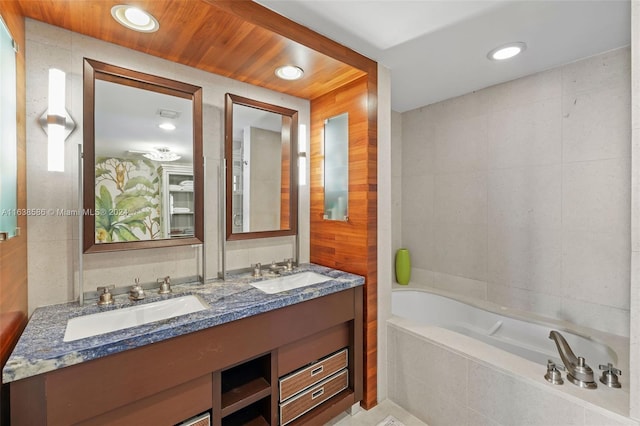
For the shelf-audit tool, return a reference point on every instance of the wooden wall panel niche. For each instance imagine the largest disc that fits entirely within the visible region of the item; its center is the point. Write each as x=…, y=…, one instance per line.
x=13, y=253
x=352, y=245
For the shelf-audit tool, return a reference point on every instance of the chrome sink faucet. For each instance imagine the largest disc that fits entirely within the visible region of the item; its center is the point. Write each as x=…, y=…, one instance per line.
x=578, y=372
x=136, y=292
x=288, y=264
x=275, y=268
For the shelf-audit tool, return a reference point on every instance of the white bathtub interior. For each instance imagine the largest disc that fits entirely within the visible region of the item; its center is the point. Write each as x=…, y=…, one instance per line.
x=526, y=339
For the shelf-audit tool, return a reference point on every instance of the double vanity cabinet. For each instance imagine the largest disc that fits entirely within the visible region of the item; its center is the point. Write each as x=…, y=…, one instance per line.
x=269, y=359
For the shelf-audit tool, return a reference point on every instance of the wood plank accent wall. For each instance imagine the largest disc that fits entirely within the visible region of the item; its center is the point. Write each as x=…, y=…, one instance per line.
x=351, y=246
x=13, y=253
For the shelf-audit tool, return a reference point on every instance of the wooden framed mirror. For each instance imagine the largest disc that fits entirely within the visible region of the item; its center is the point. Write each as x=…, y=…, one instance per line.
x=143, y=164
x=261, y=145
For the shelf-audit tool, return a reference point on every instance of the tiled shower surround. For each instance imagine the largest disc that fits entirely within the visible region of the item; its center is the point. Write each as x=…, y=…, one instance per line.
x=520, y=193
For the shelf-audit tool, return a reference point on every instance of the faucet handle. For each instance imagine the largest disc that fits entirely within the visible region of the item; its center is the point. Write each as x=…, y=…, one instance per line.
x=165, y=285
x=106, y=297
x=610, y=375
x=609, y=368
x=554, y=376
x=551, y=365
x=257, y=270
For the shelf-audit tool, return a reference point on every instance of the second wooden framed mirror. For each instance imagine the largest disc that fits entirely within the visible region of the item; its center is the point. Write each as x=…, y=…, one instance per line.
x=261, y=169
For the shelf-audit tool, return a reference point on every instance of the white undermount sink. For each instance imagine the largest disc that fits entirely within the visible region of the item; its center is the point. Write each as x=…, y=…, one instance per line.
x=119, y=319
x=290, y=282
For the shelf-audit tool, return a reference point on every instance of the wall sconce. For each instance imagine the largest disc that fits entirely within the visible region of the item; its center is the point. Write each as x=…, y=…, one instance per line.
x=56, y=121
x=302, y=155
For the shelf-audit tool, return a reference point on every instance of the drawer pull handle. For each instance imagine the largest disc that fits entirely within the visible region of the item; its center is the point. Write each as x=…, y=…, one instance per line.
x=317, y=370
x=317, y=393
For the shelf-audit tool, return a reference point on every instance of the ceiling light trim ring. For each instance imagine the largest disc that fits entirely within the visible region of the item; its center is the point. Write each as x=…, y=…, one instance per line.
x=289, y=72
x=118, y=13
x=517, y=46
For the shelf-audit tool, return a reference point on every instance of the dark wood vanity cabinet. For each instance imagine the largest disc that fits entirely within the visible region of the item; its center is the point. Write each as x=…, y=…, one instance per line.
x=231, y=370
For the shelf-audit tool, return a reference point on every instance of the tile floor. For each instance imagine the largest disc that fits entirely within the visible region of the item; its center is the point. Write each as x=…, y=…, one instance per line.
x=376, y=415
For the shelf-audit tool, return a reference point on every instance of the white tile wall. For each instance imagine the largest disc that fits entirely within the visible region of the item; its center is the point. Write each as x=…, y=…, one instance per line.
x=52, y=240
x=520, y=193
x=525, y=135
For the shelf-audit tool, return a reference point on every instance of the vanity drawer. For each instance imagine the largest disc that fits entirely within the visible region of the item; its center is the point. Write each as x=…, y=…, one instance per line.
x=314, y=396
x=302, y=379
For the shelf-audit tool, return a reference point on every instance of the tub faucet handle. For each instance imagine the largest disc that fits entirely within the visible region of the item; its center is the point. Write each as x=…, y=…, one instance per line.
x=554, y=376
x=552, y=365
x=610, y=375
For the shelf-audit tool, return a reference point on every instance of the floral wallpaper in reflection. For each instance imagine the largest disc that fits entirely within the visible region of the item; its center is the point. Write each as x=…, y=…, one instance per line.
x=127, y=200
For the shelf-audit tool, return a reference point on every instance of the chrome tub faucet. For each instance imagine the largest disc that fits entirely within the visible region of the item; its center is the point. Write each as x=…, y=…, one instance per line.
x=578, y=372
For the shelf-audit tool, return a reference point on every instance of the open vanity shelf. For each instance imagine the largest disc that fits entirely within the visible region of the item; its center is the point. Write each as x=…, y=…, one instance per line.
x=244, y=389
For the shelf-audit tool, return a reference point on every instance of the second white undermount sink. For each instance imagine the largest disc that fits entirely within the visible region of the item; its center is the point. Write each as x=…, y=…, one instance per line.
x=290, y=282
x=119, y=319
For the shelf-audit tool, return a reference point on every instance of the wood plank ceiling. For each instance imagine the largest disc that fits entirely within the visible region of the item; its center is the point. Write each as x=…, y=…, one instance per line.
x=203, y=35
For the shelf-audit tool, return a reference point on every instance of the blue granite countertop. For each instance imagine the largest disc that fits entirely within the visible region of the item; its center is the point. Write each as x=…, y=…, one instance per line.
x=41, y=347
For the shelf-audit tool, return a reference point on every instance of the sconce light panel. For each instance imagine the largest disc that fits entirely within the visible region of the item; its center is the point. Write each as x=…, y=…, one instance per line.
x=56, y=121
x=302, y=155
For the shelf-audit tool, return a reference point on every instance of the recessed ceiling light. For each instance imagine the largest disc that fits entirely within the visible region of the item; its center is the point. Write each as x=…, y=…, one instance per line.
x=134, y=18
x=289, y=72
x=167, y=126
x=506, y=51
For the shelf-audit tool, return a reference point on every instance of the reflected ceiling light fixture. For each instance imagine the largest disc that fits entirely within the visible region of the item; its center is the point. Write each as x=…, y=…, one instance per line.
x=289, y=72
x=56, y=121
x=167, y=126
x=507, y=51
x=135, y=18
x=162, y=154
x=166, y=115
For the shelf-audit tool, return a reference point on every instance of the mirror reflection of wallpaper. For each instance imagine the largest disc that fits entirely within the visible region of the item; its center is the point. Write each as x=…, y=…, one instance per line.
x=127, y=200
